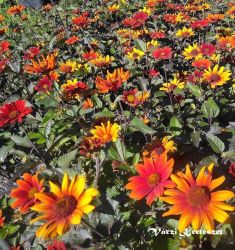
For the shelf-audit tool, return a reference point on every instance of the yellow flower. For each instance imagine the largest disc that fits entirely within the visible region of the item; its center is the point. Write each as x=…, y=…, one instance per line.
x=185, y=32
x=135, y=54
x=216, y=76
x=102, y=60
x=152, y=44
x=215, y=58
x=68, y=67
x=146, y=10
x=113, y=8
x=63, y=206
x=106, y=132
x=192, y=52
x=172, y=85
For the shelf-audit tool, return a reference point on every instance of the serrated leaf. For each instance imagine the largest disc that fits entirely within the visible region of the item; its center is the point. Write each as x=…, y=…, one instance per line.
x=65, y=160
x=216, y=144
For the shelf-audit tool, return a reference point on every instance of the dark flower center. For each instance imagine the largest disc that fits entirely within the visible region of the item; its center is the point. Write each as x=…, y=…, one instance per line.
x=65, y=206
x=198, y=196
x=215, y=78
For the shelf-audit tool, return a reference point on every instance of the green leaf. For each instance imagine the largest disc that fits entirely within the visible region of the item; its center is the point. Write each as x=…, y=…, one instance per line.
x=230, y=155
x=65, y=160
x=21, y=141
x=175, y=125
x=195, y=138
x=141, y=126
x=104, y=113
x=216, y=144
x=210, y=109
x=194, y=89
x=4, y=150
x=141, y=45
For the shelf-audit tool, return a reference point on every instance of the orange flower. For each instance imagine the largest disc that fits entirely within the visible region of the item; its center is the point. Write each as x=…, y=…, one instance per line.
x=215, y=17
x=72, y=40
x=152, y=179
x=63, y=206
x=1, y=219
x=1, y=18
x=195, y=200
x=25, y=192
x=91, y=55
x=113, y=80
x=16, y=9
x=106, y=132
x=87, y=104
x=201, y=63
x=42, y=65
x=47, y=7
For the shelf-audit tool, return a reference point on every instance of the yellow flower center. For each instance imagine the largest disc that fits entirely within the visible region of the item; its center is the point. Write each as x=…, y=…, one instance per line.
x=153, y=179
x=65, y=206
x=130, y=98
x=13, y=114
x=32, y=192
x=198, y=196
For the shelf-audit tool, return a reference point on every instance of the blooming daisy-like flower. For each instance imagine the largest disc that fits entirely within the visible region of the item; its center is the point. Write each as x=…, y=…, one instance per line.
x=152, y=44
x=113, y=80
x=81, y=21
x=152, y=179
x=157, y=147
x=31, y=53
x=195, y=200
x=68, y=67
x=16, y=9
x=162, y=53
x=87, y=104
x=102, y=61
x=24, y=194
x=1, y=219
x=216, y=76
x=4, y=46
x=113, y=8
x=106, y=132
x=207, y=49
x=73, y=88
x=44, y=84
x=91, y=55
x=130, y=97
x=89, y=145
x=135, y=54
x=172, y=85
x=13, y=112
x=184, y=32
x=72, y=40
x=42, y=65
x=3, y=64
x=199, y=24
x=63, y=206
x=201, y=63
x=192, y=52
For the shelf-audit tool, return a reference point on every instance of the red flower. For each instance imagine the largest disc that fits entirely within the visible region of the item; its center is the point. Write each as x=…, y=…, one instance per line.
x=24, y=193
x=3, y=64
x=57, y=245
x=152, y=179
x=199, y=24
x=13, y=112
x=207, y=49
x=232, y=169
x=72, y=40
x=153, y=73
x=137, y=20
x=31, y=53
x=1, y=219
x=130, y=97
x=157, y=34
x=4, y=46
x=91, y=55
x=162, y=53
x=44, y=84
x=81, y=21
